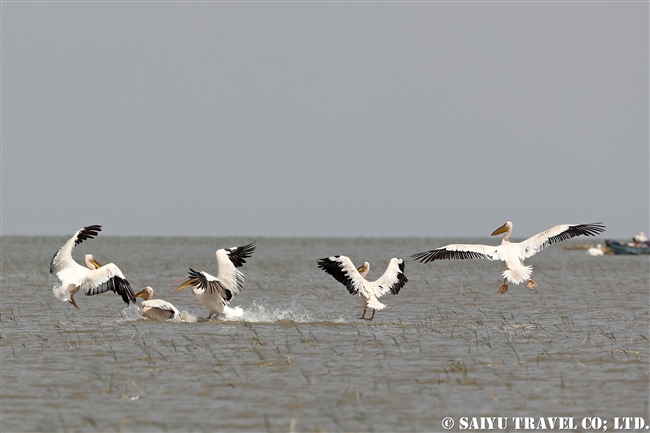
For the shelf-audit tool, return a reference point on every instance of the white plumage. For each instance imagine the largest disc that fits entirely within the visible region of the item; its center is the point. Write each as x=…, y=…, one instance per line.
x=92, y=279
x=156, y=309
x=512, y=253
x=215, y=293
x=342, y=269
x=597, y=251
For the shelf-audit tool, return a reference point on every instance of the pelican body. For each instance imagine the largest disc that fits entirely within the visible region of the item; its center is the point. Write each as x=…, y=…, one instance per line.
x=215, y=293
x=92, y=279
x=596, y=251
x=156, y=309
x=342, y=269
x=512, y=253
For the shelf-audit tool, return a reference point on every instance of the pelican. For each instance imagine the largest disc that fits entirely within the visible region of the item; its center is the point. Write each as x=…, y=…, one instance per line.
x=216, y=292
x=512, y=254
x=598, y=251
x=156, y=309
x=92, y=280
x=342, y=269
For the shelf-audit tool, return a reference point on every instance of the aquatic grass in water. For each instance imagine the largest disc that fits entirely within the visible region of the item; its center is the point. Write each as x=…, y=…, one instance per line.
x=299, y=360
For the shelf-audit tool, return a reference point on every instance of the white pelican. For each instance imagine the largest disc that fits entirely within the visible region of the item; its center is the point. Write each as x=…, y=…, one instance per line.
x=598, y=251
x=512, y=254
x=92, y=280
x=216, y=292
x=156, y=309
x=342, y=269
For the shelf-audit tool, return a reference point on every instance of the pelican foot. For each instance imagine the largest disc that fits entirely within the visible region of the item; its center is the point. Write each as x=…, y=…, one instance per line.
x=372, y=317
x=531, y=284
x=72, y=301
x=503, y=288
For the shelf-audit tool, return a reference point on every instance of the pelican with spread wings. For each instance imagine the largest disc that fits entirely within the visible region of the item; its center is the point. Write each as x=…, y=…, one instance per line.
x=342, y=269
x=512, y=253
x=92, y=279
x=216, y=292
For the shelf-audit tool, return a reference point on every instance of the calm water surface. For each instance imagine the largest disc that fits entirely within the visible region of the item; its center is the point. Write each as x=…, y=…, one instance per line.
x=300, y=360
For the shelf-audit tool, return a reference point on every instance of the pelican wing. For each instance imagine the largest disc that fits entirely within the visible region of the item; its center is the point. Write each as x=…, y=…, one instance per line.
x=228, y=260
x=559, y=233
x=104, y=279
x=237, y=255
x=161, y=305
x=342, y=269
x=392, y=280
x=63, y=257
x=458, y=252
x=206, y=282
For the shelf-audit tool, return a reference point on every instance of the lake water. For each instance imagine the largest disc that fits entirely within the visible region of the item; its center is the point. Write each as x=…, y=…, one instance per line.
x=299, y=359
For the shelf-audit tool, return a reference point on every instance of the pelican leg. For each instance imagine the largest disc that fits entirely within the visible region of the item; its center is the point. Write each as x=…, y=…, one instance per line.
x=363, y=316
x=503, y=288
x=373, y=315
x=73, y=302
x=531, y=284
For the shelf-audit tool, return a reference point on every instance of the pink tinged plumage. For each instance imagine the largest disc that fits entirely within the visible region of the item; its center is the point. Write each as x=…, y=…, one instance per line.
x=342, y=269
x=512, y=253
x=92, y=279
x=215, y=293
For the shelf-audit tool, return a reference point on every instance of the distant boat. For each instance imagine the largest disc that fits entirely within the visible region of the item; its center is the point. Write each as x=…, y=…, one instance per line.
x=629, y=247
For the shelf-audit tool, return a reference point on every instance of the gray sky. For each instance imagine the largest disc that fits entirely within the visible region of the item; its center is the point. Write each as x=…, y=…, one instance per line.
x=324, y=119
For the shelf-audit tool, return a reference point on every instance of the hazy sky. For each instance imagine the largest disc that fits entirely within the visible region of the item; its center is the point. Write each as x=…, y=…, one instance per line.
x=324, y=118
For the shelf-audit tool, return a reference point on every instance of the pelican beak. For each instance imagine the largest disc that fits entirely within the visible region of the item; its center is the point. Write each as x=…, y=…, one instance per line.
x=95, y=263
x=361, y=269
x=141, y=294
x=502, y=229
x=187, y=283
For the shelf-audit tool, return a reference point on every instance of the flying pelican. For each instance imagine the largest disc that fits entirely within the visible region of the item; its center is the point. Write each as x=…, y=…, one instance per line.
x=92, y=280
x=597, y=251
x=156, y=309
x=342, y=269
x=216, y=292
x=512, y=254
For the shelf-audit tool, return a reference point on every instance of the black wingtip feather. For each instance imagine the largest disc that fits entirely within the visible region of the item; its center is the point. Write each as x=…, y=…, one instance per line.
x=88, y=232
x=334, y=269
x=239, y=255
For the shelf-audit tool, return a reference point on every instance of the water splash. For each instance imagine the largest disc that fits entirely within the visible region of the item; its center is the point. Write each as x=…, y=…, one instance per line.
x=129, y=314
x=187, y=317
x=263, y=313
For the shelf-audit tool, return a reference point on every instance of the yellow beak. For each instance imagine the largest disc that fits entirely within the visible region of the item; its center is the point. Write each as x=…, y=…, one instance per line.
x=95, y=264
x=140, y=294
x=189, y=282
x=502, y=229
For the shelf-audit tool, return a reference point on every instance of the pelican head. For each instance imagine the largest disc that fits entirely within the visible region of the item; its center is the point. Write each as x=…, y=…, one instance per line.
x=506, y=228
x=91, y=263
x=364, y=269
x=146, y=294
